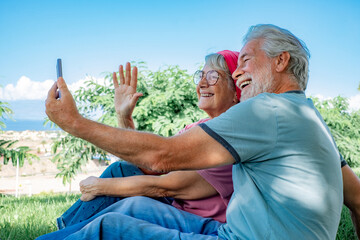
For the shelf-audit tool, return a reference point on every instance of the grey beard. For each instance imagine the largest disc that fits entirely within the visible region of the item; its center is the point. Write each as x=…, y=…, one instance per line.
x=256, y=86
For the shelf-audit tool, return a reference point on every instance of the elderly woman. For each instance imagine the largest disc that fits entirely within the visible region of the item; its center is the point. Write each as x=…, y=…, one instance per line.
x=205, y=192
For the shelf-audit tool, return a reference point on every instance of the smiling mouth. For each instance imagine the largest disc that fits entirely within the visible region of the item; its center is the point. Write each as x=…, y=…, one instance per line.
x=244, y=84
x=207, y=95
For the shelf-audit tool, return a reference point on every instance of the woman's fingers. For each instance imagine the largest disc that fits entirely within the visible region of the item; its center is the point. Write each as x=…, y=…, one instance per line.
x=128, y=74
x=133, y=82
x=115, y=81
x=121, y=74
x=130, y=77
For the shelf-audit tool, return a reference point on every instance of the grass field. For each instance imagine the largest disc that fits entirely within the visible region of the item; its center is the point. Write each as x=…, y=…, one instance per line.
x=29, y=217
x=26, y=218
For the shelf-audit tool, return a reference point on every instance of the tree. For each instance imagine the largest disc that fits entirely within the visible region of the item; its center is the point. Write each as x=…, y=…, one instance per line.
x=73, y=154
x=344, y=126
x=5, y=111
x=169, y=103
x=7, y=150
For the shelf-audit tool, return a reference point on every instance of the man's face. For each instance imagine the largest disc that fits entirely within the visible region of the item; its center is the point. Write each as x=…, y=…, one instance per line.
x=254, y=72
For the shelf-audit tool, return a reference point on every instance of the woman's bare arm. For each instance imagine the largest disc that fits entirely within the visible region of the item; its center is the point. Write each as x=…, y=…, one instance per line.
x=187, y=185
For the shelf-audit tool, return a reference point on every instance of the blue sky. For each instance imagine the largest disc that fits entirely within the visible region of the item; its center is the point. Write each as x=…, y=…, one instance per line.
x=93, y=37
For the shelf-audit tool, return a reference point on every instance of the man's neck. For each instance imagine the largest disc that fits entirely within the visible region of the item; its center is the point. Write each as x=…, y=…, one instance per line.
x=286, y=84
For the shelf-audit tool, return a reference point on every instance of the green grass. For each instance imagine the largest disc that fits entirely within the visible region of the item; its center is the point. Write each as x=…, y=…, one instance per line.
x=29, y=217
x=346, y=229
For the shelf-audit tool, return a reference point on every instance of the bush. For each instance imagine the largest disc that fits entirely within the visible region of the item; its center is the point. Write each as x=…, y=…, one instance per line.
x=344, y=126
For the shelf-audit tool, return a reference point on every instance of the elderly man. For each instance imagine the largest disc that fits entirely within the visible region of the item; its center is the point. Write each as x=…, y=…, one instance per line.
x=286, y=173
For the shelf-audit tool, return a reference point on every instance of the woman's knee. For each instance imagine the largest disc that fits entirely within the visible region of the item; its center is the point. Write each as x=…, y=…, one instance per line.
x=121, y=169
x=110, y=170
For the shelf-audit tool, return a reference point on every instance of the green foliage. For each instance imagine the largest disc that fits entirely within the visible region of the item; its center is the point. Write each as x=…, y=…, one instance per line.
x=5, y=111
x=169, y=102
x=7, y=151
x=344, y=126
x=74, y=153
x=15, y=154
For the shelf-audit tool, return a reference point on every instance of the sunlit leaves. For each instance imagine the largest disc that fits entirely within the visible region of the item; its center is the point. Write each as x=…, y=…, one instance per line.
x=20, y=154
x=73, y=153
x=344, y=125
x=171, y=104
x=5, y=111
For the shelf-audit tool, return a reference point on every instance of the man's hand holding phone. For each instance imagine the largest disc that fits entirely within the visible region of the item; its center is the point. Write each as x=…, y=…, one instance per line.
x=62, y=111
x=59, y=74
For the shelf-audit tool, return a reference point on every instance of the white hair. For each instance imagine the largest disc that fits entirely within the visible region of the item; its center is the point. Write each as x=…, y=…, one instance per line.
x=278, y=40
x=218, y=62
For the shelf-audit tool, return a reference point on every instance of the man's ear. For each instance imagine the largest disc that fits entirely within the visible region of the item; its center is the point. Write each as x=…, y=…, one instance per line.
x=282, y=61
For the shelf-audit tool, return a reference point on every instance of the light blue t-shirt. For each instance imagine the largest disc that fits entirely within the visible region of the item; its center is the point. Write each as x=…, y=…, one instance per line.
x=287, y=176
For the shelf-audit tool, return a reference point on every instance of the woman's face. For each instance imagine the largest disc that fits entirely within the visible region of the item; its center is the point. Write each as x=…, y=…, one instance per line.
x=215, y=99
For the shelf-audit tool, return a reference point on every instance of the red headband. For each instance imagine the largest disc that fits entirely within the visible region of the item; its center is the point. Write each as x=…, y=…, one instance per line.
x=231, y=58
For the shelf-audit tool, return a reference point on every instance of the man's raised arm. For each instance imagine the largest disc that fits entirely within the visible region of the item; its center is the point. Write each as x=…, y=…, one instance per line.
x=140, y=148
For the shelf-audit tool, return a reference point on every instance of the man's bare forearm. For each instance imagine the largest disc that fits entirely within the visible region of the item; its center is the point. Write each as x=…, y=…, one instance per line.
x=194, y=149
x=141, y=148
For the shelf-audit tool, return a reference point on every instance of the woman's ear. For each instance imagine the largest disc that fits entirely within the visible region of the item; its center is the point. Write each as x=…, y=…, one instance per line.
x=282, y=61
x=235, y=99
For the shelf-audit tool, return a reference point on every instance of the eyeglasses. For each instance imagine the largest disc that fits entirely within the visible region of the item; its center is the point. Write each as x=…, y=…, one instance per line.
x=212, y=77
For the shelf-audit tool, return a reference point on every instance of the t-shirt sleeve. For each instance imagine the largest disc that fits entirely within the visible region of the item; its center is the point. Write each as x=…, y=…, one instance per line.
x=342, y=160
x=247, y=130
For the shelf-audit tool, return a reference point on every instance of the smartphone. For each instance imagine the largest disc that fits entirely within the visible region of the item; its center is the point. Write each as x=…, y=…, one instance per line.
x=59, y=72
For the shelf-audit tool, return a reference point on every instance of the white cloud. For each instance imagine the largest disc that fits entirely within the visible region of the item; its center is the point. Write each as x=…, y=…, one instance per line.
x=81, y=83
x=354, y=103
x=26, y=89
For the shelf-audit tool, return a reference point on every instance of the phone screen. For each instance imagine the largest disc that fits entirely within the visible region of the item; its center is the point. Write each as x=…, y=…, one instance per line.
x=59, y=73
x=59, y=68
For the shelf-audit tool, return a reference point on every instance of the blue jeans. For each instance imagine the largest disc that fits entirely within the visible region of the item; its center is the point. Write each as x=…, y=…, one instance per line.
x=140, y=218
x=81, y=211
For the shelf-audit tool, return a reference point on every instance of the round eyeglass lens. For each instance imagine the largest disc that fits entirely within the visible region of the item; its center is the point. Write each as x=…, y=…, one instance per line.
x=212, y=77
x=197, y=76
